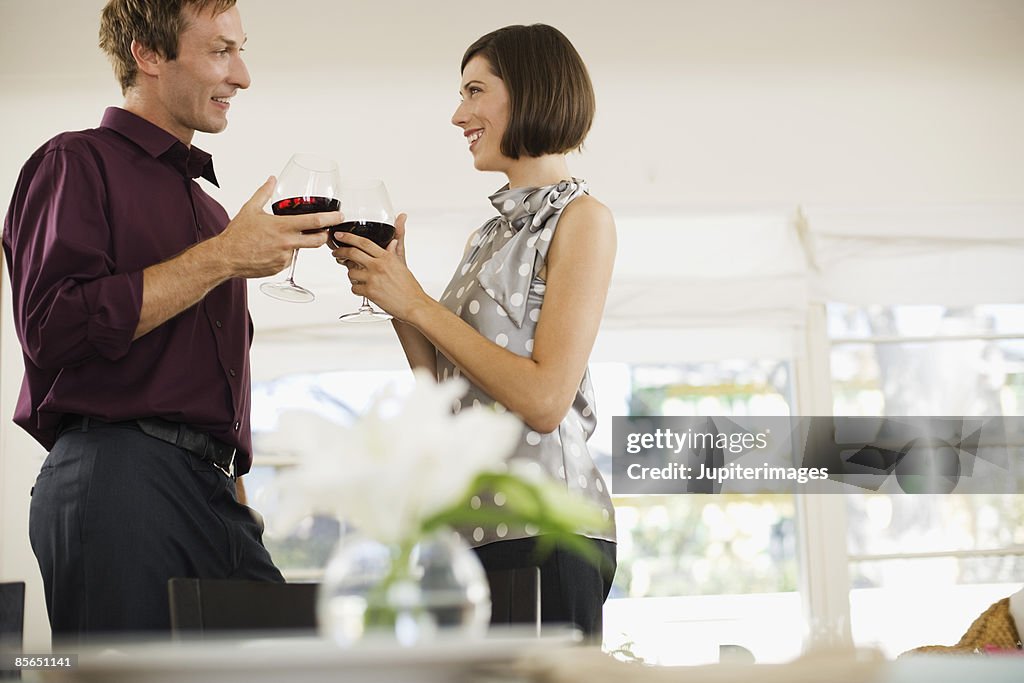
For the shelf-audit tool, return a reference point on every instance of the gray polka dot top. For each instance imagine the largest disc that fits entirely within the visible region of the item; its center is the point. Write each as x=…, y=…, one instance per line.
x=496, y=289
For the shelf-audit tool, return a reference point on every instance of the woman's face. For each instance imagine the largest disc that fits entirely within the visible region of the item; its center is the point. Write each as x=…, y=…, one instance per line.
x=483, y=114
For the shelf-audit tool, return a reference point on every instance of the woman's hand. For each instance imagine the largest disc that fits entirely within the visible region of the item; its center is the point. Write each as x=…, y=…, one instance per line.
x=381, y=275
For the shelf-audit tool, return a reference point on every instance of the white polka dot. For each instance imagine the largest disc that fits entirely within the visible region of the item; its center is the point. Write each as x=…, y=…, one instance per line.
x=598, y=485
x=561, y=472
x=532, y=242
x=516, y=299
x=476, y=403
x=458, y=294
x=474, y=306
x=465, y=269
x=529, y=345
x=474, y=502
x=456, y=372
x=604, y=513
x=478, y=534
x=531, y=530
x=583, y=482
x=475, y=241
x=458, y=405
x=508, y=233
x=499, y=268
x=587, y=412
x=446, y=295
x=540, y=287
x=545, y=234
x=508, y=205
x=501, y=340
x=532, y=438
x=574, y=450
x=502, y=530
x=499, y=499
x=444, y=374
x=501, y=311
x=500, y=409
x=535, y=315
x=458, y=311
x=525, y=269
x=490, y=292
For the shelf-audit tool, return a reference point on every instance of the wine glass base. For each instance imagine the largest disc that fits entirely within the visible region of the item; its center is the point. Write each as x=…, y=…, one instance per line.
x=365, y=316
x=287, y=291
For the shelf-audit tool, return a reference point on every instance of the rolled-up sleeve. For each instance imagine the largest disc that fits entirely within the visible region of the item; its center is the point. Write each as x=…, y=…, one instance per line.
x=70, y=304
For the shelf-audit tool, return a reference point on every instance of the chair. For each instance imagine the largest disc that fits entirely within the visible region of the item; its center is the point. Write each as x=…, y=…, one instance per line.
x=199, y=606
x=12, y=623
x=515, y=596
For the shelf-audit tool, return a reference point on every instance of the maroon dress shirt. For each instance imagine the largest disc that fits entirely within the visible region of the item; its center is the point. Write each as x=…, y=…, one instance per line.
x=90, y=211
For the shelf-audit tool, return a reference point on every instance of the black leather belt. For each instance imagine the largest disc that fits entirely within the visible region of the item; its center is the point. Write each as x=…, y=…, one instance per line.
x=199, y=444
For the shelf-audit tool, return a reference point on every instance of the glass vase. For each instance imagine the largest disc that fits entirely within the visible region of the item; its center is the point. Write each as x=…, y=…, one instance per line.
x=409, y=592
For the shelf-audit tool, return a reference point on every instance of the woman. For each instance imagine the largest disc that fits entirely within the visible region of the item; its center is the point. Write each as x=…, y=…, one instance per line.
x=519, y=318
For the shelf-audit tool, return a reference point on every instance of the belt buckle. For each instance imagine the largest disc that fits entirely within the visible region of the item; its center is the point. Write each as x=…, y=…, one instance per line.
x=212, y=452
x=228, y=469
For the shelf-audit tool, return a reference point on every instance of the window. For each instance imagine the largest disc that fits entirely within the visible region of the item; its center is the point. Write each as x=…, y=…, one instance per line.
x=907, y=552
x=704, y=570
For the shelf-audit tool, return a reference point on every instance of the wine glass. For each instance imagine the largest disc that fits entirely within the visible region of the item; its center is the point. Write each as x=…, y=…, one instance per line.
x=308, y=184
x=368, y=213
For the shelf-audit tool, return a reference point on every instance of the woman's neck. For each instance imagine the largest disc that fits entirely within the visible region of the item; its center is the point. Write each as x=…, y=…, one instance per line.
x=537, y=171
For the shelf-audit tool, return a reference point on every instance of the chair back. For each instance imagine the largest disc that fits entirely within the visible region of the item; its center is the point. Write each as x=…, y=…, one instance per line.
x=12, y=623
x=203, y=605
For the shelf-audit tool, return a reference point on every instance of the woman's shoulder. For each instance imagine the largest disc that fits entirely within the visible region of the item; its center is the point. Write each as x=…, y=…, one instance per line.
x=587, y=213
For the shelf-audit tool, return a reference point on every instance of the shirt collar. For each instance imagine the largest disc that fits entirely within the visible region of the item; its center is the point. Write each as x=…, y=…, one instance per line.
x=191, y=162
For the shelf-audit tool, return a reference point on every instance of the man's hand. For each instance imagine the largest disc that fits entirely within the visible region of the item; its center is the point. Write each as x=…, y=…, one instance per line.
x=256, y=243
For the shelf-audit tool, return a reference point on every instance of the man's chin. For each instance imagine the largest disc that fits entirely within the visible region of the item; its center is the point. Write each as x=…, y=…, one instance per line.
x=216, y=126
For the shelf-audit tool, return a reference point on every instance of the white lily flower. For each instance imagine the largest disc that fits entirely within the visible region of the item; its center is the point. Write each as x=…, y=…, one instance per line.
x=406, y=459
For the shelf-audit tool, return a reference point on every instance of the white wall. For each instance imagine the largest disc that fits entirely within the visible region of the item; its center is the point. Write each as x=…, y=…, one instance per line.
x=700, y=102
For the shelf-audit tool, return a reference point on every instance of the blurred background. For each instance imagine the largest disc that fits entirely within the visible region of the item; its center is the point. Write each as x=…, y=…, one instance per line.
x=820, y=209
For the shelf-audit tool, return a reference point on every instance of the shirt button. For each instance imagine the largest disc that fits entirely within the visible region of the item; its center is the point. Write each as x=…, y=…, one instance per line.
x=232, y=373
x=238, y=425
x=219, y=324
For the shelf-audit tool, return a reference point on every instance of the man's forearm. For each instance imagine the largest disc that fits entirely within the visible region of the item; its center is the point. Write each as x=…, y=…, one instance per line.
x=179, y=283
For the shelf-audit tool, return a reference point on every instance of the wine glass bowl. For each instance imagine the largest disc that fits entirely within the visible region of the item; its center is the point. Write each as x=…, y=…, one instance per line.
x=368, y=213
x=308, y=184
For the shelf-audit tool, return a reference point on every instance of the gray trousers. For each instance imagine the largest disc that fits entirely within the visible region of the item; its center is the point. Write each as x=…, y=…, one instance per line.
x=116, y=513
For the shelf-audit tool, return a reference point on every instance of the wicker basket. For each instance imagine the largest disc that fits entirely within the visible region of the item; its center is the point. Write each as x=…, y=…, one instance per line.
x=993, y=629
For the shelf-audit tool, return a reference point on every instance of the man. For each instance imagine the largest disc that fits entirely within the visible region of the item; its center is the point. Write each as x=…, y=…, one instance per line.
x=130, y=304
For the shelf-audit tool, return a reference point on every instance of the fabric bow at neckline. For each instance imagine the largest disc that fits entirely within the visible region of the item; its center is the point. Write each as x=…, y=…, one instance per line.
x=530, y=207
x=507, y=275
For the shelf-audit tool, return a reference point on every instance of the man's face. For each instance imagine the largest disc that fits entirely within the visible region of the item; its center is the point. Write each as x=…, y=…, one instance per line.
x=194, y=90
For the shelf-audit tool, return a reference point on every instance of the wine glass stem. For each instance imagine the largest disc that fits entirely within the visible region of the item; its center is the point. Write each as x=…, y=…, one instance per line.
x=366, y=307
x=291, y=266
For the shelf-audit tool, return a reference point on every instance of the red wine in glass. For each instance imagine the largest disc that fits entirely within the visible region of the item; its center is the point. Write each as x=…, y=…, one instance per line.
x=379, y=233
x=368, y=213
x=300, y=206
x=308, y=184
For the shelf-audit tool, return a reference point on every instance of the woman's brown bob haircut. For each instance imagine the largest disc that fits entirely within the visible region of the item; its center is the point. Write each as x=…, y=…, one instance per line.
x=154, y=24
x=551, y=99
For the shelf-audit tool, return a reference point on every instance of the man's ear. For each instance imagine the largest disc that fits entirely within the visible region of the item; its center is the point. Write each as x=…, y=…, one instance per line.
x=147, y=59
